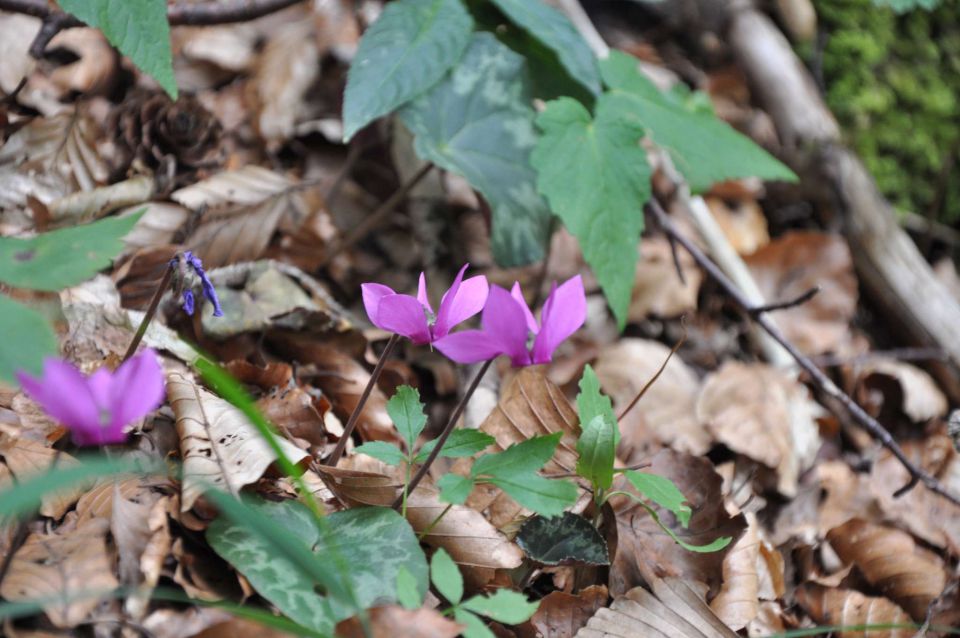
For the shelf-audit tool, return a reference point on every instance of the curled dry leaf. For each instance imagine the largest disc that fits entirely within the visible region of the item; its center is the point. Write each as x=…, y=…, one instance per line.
x=766, y=415
x=919, y=397
x=69, y=569
x=26, y=458
x=738, y=602
x=463, y=532
x=142, y=538
x=219, y=446
x=158, y=225
x=793, y=264
x=243, y=209
x=675, y=610
x=396, y=622
x=645, y=552
x=667, y=412
x=657, y=290
x=561, y=615
x=891, y=561
x=848, y=607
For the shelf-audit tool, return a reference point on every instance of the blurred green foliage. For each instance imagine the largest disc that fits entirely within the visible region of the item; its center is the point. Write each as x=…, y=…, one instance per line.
x=893, y=81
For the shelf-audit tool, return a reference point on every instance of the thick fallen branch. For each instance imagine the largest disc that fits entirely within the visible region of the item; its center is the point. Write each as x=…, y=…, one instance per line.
x=819, y=379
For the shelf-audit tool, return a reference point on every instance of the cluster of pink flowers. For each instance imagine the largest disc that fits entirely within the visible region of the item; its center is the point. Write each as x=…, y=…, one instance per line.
x=508, y=326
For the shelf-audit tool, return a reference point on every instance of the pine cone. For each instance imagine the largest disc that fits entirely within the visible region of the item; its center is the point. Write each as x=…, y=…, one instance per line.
x=151, y=128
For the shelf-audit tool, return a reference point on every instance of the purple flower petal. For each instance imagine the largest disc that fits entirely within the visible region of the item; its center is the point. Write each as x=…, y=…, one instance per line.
x=504, y=322
x=211, y=294
x=563, y=313
x=63, y=393
x=188, y=302
x=462, y=301
x=468, y=346
x=517, y=294
x=405, y=316
x=372, y=294
x=136, y=389
x=422, y=293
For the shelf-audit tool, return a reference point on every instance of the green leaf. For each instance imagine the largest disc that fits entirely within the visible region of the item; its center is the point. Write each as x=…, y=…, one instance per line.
x=455, y=488
x=522, y=458
x=555, y=31
x=903, y=6
x=460, y=443
x=597, y=448
x=139, y=28
x=503, y=606
x=389, y=454
x=705, y=149
x=63, y=258
x=596, y=177
x=547, y=497
x=405, y=52
x=569, y=539
x=714, y=546
x=446, y=576
x=475, y=627
x=408, y=594
x=374, y=542
x=478, y=122
x=661, y=491
x=591, y=402
x=27, y=340
x=407, y=414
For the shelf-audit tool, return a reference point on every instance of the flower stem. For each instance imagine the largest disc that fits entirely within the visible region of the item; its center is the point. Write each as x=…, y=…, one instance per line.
x=443, y=435
x=355, y=415
x=151, y=312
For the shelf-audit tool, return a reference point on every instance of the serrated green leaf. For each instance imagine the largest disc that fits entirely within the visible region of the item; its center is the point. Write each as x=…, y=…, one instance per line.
x=478, y=122
x=408, y=594
x=405, y=52
x=596, y=177
x=547, y=497
x=446, y=576
x=460, y=443
x=475, y=627
x=525, y=457
x=503, y=606
x=63, y=258
x=597, y=448
x=705, y=149
x=554, y=30
x=568, y=539
x=27, y=340
x=661, y=491
x=455, y=488
x=591, y=402
x=374, y=542
x=383, y=451
x=138, y=28
x=406, y=411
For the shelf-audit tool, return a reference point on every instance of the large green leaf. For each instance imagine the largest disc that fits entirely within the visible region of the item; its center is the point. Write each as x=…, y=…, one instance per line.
x=555, y=31
x=597, y=447
x=374, y=542
x=62, y=258
x=406, y=51
x=27, y=339
x=139, y=28
x=596, y=177
x=705, y=149
x=406, y=411
x=478, y=123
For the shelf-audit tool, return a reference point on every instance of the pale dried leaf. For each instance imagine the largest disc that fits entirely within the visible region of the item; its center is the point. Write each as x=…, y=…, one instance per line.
x=561, y=615
x=26, y=458
x=177, y=623
x=676, y=611
x=231, y=47
x=738, y=602
x=848, y=607
x=666, y=414
x=920, y=398
x=218, y=444
x=69, y=569
x=396, y=622
x=657, y=289
x=17, y=32
x=892, y=562
x=99, y=327
x=95, y=66
x=765, y=414
x=83, y=206
x=742, y=223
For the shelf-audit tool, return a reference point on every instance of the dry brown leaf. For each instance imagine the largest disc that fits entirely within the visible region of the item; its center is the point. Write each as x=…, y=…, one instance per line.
x=765, y=414
x=738, y=602
x=676, y=611
x=846, y=493
x=645, y=552
x=69, y=569
x=95, y=68
x=918, y=397
x=667, y=412
x=793, y=264
x=848, y=607
x=26, y=458
x=219, y=446
x=892, y=562
x=292, y=411
x=142, y=538
x=561, y=615
x=396, y=622
x=158, y=225
x=17, y=31
x=657, y=290
x=99, y=327
x=241, y=628
x=177, y=623
x=742, y=222
x=243, y=208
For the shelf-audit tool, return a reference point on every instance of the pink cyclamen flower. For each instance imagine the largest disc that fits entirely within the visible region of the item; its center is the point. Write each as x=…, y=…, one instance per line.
x=414, y=318
x=508, y=325
x=96, y=409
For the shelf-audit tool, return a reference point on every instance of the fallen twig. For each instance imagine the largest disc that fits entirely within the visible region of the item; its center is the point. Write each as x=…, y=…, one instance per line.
x=817, y=376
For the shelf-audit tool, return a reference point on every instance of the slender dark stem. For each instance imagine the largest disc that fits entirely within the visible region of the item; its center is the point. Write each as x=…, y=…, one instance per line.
x=789, y=303
x=151, y=311
x=663, y=366
x=442, y=439
x=355, y=415
x=353, y=154
x=821, y=380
